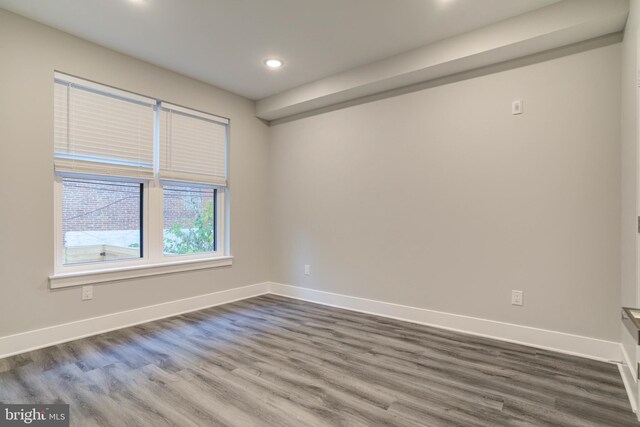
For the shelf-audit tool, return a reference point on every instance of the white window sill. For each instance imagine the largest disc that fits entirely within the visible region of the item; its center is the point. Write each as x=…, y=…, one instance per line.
x=79, y=278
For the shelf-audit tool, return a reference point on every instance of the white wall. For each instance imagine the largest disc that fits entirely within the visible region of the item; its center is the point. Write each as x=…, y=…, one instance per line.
x=629, y=176
x=629, y=157
x=442, y=199
x=29, y=53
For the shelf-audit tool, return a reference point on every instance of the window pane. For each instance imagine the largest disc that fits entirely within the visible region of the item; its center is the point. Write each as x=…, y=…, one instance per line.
x=189, y=218
x=101, y=220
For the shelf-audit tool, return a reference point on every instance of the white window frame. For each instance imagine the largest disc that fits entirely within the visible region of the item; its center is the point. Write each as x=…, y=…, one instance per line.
x=61, y=267
x=153, y=260
x=158, y=254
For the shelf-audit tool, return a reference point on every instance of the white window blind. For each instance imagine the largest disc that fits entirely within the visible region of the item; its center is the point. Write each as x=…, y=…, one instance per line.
x=101, y=130
x=193, y=146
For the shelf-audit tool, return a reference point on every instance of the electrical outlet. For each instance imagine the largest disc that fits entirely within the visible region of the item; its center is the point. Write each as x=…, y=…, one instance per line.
x=517, y=297
x=307, y=270
x=87, y=293
x=516, y=107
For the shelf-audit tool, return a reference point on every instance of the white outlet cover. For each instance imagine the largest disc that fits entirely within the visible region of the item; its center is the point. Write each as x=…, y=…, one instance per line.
x=516, y=107
x=87, y=292
x=517, y=297
x=307, y=270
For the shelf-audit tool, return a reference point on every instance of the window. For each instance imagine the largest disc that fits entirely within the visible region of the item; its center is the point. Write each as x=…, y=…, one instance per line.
x=101, y=220
x=138, y=181
x=189, y=220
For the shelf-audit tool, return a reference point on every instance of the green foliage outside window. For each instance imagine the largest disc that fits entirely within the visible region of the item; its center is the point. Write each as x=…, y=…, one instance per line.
x=195, y=236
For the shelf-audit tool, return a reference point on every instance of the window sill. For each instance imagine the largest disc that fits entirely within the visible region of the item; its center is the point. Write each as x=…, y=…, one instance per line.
x=80, y=278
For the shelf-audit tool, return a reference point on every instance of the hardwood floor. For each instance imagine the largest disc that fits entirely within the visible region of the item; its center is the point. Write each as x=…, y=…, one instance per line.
x=274, y=361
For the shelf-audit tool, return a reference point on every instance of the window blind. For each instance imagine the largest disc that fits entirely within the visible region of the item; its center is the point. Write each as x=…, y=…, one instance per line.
x=193, y=146
x=101, y=130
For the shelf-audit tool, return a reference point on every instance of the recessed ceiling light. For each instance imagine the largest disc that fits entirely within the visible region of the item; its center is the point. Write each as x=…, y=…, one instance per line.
x=273, y=63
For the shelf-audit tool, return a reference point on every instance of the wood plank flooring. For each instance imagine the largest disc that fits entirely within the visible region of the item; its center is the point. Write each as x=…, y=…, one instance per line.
x=274, y=361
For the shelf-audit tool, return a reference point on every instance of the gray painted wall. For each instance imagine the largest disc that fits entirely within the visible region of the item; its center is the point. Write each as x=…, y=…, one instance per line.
x=629, y=172
x=442, y=199
x=29, y=52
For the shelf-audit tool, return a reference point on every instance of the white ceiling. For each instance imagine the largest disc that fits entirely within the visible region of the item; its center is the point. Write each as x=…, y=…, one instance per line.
x=224, y=42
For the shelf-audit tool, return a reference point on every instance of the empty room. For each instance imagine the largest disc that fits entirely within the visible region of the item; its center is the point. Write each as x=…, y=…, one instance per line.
x=319, y=213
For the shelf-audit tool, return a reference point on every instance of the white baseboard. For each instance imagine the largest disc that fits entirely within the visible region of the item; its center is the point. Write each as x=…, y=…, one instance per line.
x=629, y=374
x=40, y=338
x=629, y=386
x=551, y=340
x=577, y=345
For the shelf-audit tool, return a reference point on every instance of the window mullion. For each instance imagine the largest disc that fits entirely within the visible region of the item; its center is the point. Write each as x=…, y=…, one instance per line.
x=155, y=219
